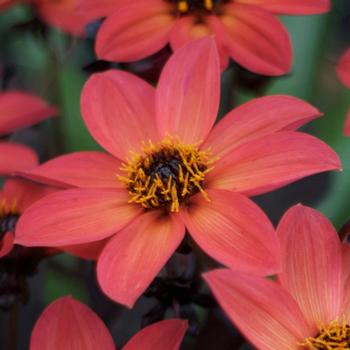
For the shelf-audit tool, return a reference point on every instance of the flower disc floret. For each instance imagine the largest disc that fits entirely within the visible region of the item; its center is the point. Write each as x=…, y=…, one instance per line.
x=8, y=216
x=186, y=6
x=335, y=336
x=166, y=174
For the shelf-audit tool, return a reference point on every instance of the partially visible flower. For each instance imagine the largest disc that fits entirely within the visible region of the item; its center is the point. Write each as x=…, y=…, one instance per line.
x=343, y=70
x=19, y=110
x=170, y=168
x=15, y=197
x=245, y=30
x=310, y=306
x=67, y=324
x=60, y=14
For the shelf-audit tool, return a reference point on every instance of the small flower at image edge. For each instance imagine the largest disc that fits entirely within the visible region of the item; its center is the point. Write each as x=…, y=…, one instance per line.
x=343, y=70
x=170, y=168
x=19, y=110
x=248, y=31
x=67, y=324
x=310, y=306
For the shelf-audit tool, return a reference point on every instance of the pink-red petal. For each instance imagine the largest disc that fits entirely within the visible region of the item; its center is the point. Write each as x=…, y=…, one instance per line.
x=343, y=68
x=80, y=169
x=67, y=324
x=311, y=257
x=6, y=243
x=265, y=313
x=234, y=231
x=272, y=161
x=75, y=216
x=256, y=118
x=133, y=257
x=254, y=38
x=15, y=157
x=163, y=335
x=188, y=92
x=89, y=251
x=19, y=110
x=135, y=31
x=291, y=7
x=118, y=109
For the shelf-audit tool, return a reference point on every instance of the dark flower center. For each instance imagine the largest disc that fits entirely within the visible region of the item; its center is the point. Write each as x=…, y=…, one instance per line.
x=197, y=6
x=8, y=223
x=166, y=174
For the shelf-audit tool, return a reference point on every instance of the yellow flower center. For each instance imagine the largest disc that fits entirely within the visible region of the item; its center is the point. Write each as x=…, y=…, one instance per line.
x=335, y=336
x=185, y=6
x=8, y=216
x=166, y=174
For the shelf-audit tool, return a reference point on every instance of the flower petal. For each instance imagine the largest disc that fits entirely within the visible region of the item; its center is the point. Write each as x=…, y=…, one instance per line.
x=272, y=161
x=6, y=243
x=311, y=256
x=75, y=216
x=254, y=38
x=265, y=313
x=256, y=118
x=234, y=231
x=343, y=68
x=137, y=254
x=291, y=7
x=14, y=116
x=188, y=92
x=346, y=279
x=80, y=169
x=135, y=31
x=163, y=335
x=118, y=109
x=89, y=251
x=23, y=192
x=15, y=157
x=97, y=9
x=67, y=324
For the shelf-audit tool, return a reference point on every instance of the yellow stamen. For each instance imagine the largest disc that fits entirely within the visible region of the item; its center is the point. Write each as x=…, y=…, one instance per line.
x=335, y=336
x=182, y=6
x=166, y=173
x=209, y=5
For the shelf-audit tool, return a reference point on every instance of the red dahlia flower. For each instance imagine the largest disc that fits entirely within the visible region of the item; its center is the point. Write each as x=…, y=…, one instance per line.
x=343, y=70
x=16, y=196
x=245, y=30
x=169, y=169
x=19, y=110
x=310, y=306
x=67, y=324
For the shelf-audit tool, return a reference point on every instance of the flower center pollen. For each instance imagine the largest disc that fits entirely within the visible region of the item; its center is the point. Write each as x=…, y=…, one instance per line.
x=8, y=217
x=336, y=336
x=185, y=6
x=166, y=174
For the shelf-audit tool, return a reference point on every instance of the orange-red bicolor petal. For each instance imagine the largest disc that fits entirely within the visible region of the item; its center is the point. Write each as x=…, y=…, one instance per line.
x=254, y=38
x=75, y=216
x=67, y=324
x=291, y=7
x=343, y=68
x=133, y=258
x=15, y=157
x=135, y=31
x=163, y=335
x=265, y=313
x=118, y=109
x=272, y=161
x=256, y=118
x=80, y=169
x=19, y=110
x=311, y=258
x=188, y=92
x=234, y=231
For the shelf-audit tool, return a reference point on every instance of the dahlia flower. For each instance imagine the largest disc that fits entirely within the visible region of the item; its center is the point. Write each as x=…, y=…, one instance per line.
x=343, y=70
x=67, y=324
x=309, y=307
x=19, y=110
x=169, y=169
x=245, y=30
